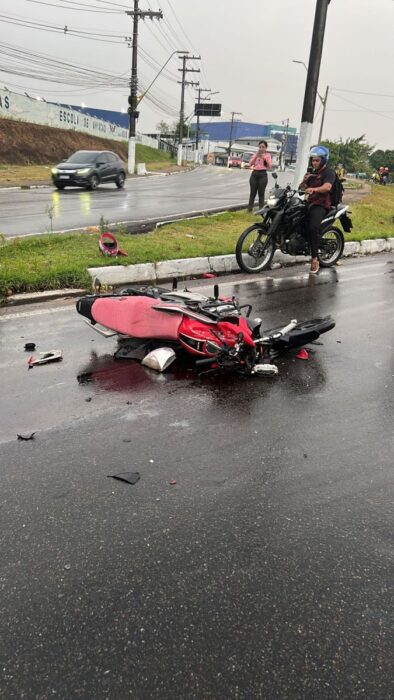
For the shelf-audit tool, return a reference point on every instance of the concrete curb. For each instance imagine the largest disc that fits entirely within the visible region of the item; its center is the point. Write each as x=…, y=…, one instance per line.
x=35, y=297
x=165, y=270
x=219, y=264
x=24, y=187
x=139, y=175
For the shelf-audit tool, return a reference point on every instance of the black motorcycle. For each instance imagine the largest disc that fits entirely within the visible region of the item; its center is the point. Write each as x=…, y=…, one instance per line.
x=284, y=227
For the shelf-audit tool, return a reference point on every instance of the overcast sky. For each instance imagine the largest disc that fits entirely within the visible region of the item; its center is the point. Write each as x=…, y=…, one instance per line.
x=247, y=50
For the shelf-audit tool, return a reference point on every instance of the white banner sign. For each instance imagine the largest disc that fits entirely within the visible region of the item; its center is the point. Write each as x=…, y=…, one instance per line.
x=28, y=109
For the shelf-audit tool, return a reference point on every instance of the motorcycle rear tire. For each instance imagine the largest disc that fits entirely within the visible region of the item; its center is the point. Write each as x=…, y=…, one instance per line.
x=254, y=233
x=340, y=244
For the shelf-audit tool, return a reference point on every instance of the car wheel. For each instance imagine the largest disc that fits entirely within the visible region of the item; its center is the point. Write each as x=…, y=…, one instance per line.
x=93, y=182
x=120, y=180
x=60, y=187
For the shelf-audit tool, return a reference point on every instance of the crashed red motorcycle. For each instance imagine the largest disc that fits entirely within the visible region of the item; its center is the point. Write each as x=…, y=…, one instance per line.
x=154, y=325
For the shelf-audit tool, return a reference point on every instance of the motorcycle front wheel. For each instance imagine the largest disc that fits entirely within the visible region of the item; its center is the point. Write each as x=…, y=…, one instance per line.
x=331, y=247
x=255, y=249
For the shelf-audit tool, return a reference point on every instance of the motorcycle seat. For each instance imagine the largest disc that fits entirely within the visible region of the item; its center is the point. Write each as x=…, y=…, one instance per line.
x=136, y=317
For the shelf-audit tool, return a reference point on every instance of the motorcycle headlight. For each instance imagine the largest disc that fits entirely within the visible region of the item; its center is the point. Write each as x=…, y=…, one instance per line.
x=272, y=202
x=83, y=171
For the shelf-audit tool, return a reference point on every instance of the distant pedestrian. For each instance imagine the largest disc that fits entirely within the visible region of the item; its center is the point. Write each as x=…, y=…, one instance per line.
x=259, y=163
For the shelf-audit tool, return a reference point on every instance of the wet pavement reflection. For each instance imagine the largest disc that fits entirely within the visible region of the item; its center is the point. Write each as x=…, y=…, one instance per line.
x=253, y=558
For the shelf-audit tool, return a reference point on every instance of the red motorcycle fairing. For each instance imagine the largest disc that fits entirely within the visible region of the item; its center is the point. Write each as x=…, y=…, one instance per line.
x=194, y=334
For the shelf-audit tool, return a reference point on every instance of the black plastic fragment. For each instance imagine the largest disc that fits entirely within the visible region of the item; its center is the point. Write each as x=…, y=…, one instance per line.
x=30, y=346
x=128, y=477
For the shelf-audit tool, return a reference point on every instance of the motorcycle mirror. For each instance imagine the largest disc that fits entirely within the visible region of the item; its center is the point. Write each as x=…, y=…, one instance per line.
x=212, y=348
x=174, y=284
x=216, y=291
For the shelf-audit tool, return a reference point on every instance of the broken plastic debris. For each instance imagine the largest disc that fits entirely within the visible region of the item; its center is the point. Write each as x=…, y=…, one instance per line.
x=303, y=354
x=128, y=477
x=45, y=357
x=265, y=368
x=30, y=346
x=208, y=275
x=26, y=437
x=172, y=482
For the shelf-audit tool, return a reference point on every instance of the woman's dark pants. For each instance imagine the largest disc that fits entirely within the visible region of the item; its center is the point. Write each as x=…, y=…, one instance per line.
x=258, y=183
x=316, y=215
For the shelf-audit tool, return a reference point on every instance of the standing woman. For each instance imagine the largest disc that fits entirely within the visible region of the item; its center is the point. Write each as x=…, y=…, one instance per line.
x=259, y=163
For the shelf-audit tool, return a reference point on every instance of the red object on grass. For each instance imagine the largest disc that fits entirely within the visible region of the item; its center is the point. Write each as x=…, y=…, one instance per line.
x=303, y=354
x=109, y=245
x=208, y=275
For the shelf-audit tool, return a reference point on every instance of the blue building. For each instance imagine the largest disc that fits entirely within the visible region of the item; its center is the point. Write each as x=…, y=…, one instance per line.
x=243, y=131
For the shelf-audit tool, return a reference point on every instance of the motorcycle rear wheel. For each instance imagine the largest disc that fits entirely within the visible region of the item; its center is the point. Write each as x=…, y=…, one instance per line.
x=255, y=249
x=331, y=247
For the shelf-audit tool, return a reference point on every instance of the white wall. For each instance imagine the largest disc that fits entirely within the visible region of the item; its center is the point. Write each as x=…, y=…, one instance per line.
x=28, y=109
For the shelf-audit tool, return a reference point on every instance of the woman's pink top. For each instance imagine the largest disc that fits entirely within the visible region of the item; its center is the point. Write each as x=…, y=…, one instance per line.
x=261, y=162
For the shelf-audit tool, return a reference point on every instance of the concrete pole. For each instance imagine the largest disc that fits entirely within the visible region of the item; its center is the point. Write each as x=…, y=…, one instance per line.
x=312, y=80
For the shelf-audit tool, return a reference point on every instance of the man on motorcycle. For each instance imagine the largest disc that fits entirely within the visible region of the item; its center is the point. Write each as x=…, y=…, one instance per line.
x=317, y=184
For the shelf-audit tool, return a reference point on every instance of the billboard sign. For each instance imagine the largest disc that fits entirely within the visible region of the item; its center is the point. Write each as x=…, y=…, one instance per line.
x=207, y=109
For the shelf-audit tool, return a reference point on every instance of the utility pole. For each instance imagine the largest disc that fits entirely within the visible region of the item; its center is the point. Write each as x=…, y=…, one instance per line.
x=311, y=90
x=230, y=141
x=183, y=83
x=200, y=90
x=136, y=14
x=324, y=103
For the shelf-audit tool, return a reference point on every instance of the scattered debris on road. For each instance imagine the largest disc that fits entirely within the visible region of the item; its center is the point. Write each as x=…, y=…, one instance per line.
x=26, y=437
x=303, y=354
x=45, y=357
x=128, y=477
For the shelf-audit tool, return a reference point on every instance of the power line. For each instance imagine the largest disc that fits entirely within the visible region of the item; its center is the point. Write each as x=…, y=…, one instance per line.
x=364, y=109
x=81, y=9
x=357, y=92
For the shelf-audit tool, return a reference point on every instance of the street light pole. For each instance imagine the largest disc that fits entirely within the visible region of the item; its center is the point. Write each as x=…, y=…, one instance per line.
x=323, y=114
x=323, y=100
x=311, y=89
x=230, y=141
x=155, y=78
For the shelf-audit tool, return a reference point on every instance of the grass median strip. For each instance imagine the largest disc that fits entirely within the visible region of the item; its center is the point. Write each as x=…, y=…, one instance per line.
x=59, y=261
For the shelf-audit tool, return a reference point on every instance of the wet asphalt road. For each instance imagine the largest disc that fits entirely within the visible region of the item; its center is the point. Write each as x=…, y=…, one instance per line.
x=24, y=211
x=143, y=199
x=265, y=572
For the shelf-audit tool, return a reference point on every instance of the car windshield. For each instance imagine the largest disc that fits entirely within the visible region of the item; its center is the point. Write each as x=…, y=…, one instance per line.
x=83, y=157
